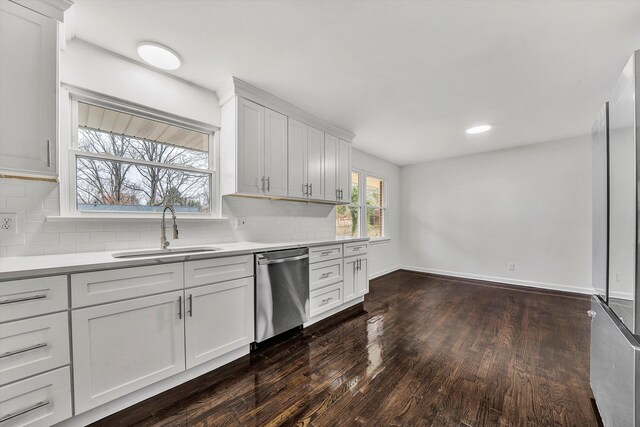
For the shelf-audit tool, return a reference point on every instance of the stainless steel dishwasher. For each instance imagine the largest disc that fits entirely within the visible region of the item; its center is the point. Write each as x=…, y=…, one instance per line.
x=282, y=291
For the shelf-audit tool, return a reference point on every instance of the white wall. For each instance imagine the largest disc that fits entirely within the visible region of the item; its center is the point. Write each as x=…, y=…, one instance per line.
x=471, y=216
x=90, y=67
x=384, y=256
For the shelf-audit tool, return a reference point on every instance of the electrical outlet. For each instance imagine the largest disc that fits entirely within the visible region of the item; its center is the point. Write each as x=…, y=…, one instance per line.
x=241, y=222
x=8, y=223
x=511, y=266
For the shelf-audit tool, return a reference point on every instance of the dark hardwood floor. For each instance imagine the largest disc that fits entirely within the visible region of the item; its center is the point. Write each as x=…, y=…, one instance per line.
x=426, y=351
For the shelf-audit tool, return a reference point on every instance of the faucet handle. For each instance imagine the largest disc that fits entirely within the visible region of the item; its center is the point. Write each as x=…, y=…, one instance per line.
x=175, y=231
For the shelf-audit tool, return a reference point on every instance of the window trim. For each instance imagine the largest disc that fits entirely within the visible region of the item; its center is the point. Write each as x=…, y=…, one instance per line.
x=69, y=152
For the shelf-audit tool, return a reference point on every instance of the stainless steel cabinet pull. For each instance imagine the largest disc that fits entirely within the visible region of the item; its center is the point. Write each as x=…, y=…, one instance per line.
x=591, y=314
x=11, y=301
x=190, y=305
x=325, y=253
x=179, y=307
x=341, y=194
x=325, y=275
x=268, y=183
x=337, y=194
x=22, y=350
x=24, y=411
x=311, y=189
x=356, y=248
x=48, y=153
x=305, y=189
x=262, y=183
x=326, y=300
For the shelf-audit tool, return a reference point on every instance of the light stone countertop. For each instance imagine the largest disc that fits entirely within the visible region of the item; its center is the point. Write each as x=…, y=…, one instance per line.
x=48, y=265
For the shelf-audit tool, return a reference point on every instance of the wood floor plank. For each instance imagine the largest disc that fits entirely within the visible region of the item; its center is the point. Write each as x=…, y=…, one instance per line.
x=422, y=351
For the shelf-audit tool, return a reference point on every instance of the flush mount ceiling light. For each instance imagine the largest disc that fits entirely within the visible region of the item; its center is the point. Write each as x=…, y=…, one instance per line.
x=159, y=56
x=478, y=129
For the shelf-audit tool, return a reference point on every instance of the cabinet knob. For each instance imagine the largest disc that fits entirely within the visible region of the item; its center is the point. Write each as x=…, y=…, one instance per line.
x=591, y=314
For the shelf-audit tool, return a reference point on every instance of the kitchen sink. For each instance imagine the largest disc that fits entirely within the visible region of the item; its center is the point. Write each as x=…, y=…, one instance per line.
x=163, y=252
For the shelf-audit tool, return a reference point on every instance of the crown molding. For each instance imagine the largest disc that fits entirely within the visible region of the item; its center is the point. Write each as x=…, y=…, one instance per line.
x=236, y=87
x=52, y=8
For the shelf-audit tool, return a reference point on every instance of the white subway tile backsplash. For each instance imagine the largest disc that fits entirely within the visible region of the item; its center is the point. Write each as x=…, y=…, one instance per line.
x=267, y=221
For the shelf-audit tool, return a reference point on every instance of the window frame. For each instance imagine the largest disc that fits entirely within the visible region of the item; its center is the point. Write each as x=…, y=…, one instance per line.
x=361, y=206
x=363, y=201
x=69, y=153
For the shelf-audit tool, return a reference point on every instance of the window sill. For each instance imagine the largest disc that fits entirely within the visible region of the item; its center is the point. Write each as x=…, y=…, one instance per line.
x=116, y=218
x=379, y=240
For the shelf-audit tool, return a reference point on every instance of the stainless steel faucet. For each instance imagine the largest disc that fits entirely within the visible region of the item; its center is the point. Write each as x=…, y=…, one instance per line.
x=164, y=243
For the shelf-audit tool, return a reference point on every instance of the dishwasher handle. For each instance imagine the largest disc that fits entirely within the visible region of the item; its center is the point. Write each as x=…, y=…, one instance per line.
x=264, y=261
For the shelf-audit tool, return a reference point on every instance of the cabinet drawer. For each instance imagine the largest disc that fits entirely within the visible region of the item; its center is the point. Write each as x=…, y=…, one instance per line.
x=208, y=271
x=325, y=273
x=325, y=253
x=325, y=299
x=38, y=401
x=99, y=287
x=356, y=248
x=32, y=346
x=32, y=297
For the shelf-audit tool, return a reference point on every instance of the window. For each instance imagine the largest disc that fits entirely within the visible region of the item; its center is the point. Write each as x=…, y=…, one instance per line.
x=375, y=207
x=124, y=161
x=368, y=200
x=348, y=217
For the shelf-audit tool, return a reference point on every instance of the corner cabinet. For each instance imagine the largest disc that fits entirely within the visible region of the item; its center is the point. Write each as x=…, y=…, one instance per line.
x=28, y=84
x=270, y=148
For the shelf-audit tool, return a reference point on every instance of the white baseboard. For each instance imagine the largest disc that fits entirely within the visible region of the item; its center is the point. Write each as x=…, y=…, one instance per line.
x=383, y=272
x=507, y=280
x=621, y=295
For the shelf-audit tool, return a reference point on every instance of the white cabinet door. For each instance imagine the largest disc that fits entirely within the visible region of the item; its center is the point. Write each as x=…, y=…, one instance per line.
x=219, y=319
x=350, y=279
x=28, y=73
x=331, y=165
x=250, y=155
x=344, y=171
x=275, y=153
x=121, y=347
x=315, y=163
x=297, y=160
x=362, y=277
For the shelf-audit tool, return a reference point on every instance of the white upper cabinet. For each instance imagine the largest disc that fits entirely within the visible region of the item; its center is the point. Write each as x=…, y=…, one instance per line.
x=28, y=84
x=344, y=172
x=306, y=161
x=297, y=159
x=331, y=144
x=261, y=157
x=250, y=147
x=275, y=153
x=271, y=148
x=315, y=163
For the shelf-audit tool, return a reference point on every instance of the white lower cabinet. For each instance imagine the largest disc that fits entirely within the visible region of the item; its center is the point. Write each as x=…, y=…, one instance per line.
x=219, y=319
x=121, y=347
x=356, y=278
x=39, y=401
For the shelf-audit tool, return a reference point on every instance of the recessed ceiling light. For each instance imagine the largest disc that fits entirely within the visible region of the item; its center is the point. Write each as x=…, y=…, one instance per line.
x=159, y=56
x=478, y=129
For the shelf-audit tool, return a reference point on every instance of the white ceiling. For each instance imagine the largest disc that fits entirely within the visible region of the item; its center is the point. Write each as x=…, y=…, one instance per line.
x=407, y=77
